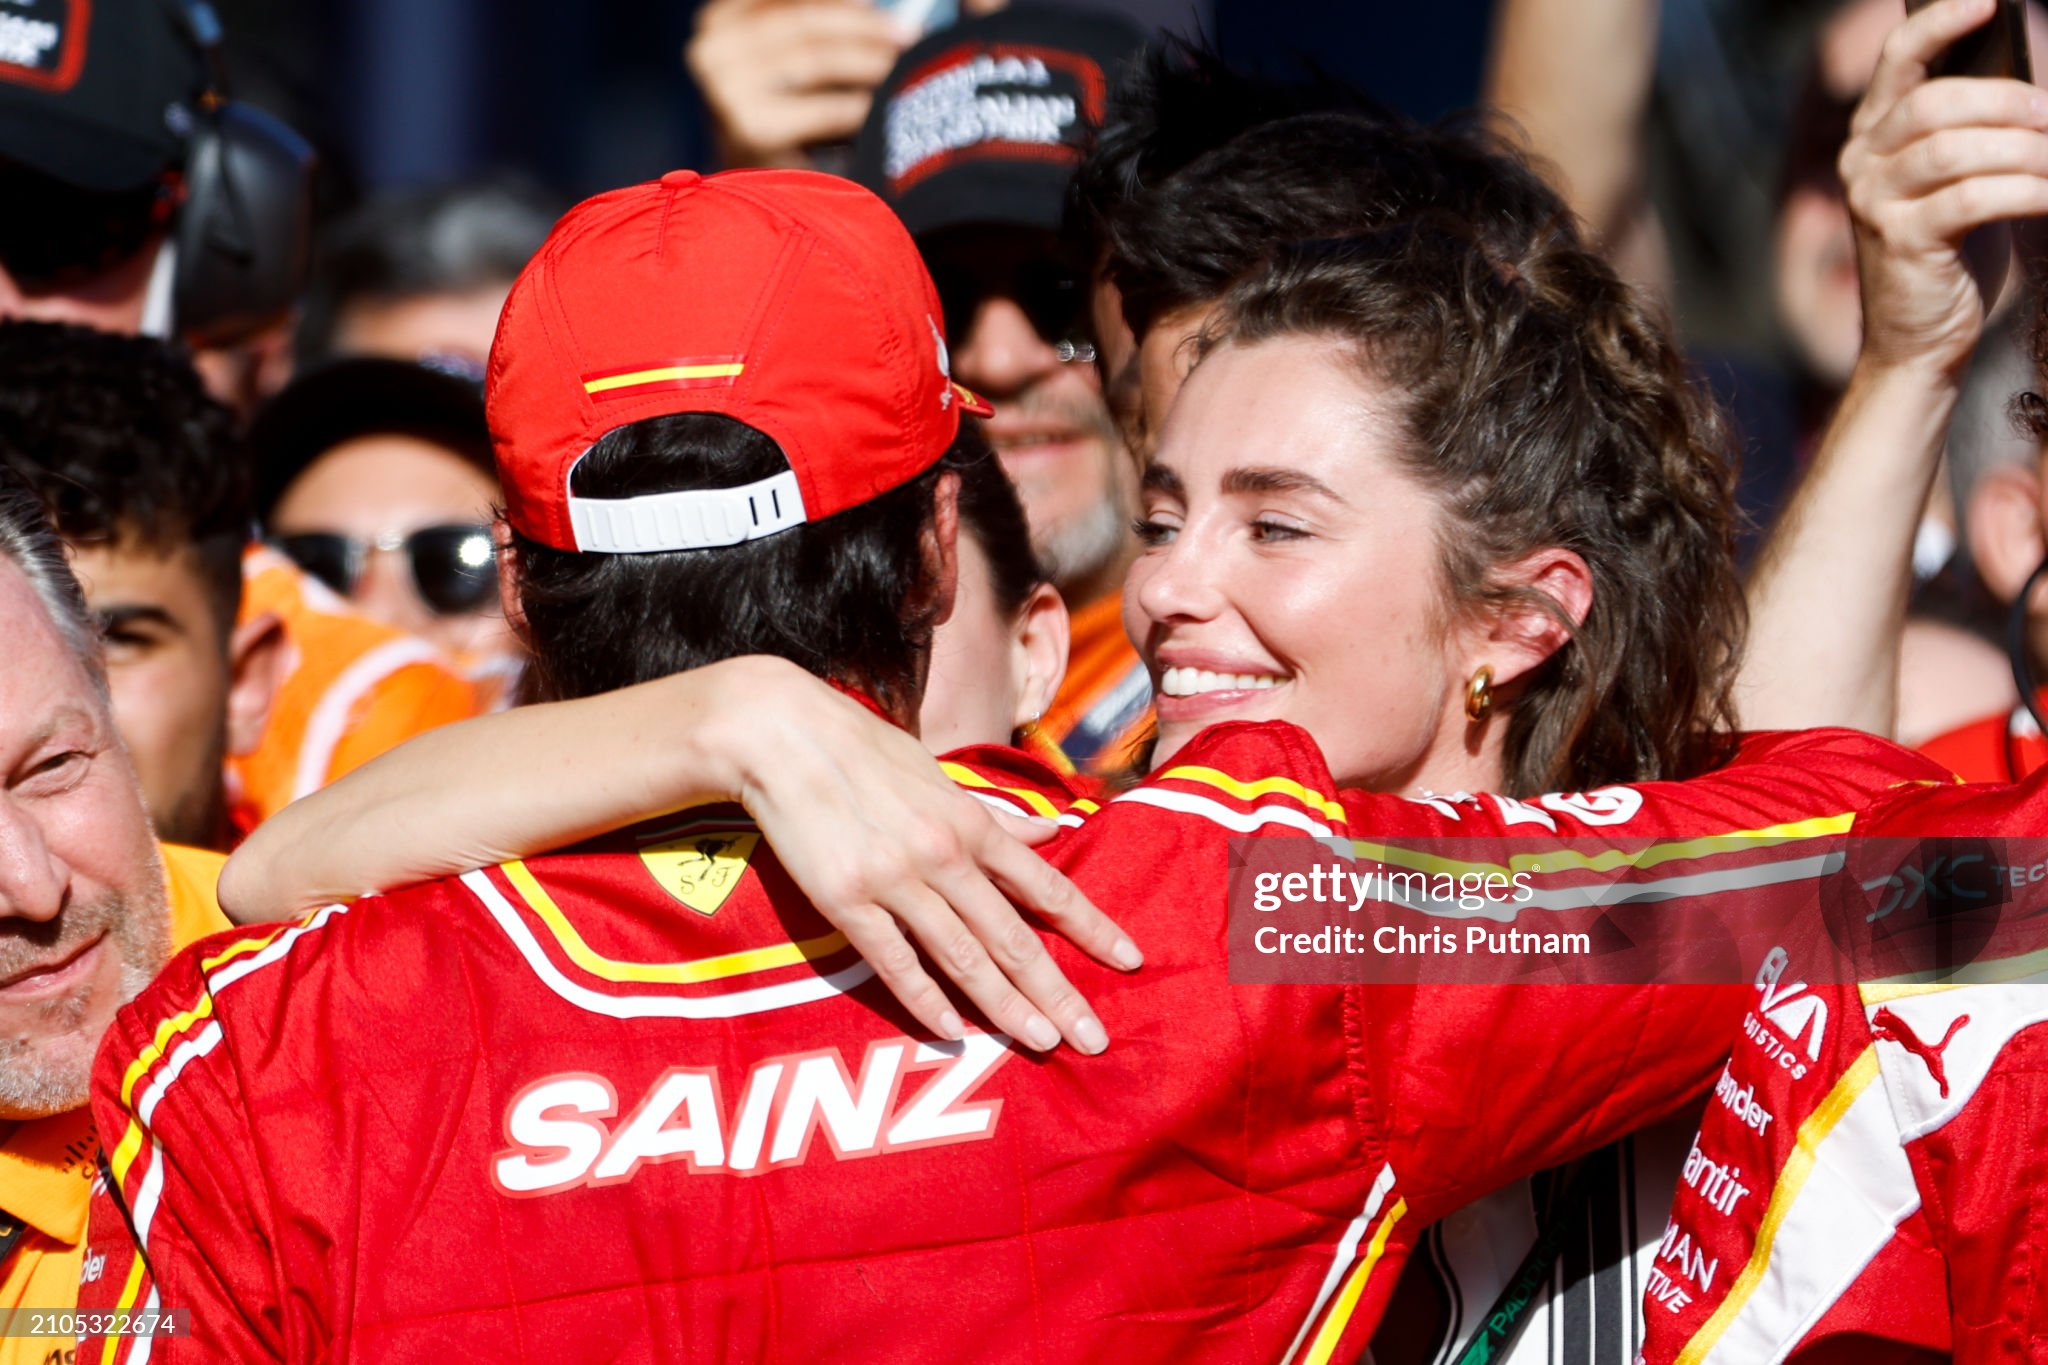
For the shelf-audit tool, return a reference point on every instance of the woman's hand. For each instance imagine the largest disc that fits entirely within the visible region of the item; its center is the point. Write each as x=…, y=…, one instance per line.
x=858, y=813
x=1926, y=165
x=885, y=845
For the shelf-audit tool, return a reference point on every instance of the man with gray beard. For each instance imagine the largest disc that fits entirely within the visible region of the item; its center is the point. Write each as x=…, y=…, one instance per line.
x=90, y=908
x=972, y=141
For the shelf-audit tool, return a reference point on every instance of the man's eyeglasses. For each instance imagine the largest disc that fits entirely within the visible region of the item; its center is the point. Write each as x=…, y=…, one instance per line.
x=452, y=566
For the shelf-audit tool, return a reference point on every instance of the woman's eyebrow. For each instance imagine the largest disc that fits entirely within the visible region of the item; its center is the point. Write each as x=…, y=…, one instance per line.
x=1269, y=479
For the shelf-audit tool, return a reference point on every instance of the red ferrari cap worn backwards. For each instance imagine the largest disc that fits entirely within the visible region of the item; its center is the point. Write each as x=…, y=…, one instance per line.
x=788, y=300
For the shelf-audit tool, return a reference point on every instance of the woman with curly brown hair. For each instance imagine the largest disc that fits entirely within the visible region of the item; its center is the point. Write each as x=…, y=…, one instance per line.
x=1488, y=459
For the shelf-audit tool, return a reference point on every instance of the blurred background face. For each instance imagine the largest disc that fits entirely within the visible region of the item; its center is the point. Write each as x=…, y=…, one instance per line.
x=422, y=272
x=82, y=257
x=458, y=325
x=1817, y=294
x=168, y=671
x=420, y=515
x=1814, y=266
x=1009, y=306
x=84, y=923
x=1291, y=571
x=113, y=303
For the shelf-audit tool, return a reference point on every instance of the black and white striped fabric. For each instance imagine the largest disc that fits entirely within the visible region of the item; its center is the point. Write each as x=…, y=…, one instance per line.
x=1590, y=1309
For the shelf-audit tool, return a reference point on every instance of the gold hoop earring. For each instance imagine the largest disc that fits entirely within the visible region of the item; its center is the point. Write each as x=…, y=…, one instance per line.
x=1479, y=693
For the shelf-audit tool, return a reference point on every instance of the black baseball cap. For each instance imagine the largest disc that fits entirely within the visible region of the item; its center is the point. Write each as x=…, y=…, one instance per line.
x=97, y=94
x=364, y=396
x=984, y=122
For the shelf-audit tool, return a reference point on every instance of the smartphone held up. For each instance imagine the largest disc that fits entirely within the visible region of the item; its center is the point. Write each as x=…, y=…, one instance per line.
x=1998, y=49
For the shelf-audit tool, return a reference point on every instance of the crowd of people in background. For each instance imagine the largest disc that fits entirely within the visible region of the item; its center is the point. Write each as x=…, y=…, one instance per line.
x=734, y=706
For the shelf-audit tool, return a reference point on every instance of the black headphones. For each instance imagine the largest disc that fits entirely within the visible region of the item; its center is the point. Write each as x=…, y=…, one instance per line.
x=244, y=232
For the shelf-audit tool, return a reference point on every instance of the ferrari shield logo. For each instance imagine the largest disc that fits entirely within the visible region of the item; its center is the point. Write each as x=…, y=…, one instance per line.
x=700, y=870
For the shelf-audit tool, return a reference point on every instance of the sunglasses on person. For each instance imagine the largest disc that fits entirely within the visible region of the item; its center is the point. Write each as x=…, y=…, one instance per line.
x=452, y=566
x=1050, y=297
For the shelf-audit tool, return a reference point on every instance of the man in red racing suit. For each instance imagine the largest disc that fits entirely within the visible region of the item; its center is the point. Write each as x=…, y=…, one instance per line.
x=637, y=1101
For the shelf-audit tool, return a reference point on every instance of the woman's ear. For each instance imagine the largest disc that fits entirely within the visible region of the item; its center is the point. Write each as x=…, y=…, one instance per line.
x=1523, y=634
x=1038, y=652
x=2003, y=522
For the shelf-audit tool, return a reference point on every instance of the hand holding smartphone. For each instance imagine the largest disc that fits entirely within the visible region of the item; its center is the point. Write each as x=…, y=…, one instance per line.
x=1998, y=49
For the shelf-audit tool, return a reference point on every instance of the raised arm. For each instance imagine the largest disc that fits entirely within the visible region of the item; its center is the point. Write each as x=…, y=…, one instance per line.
x=1573, y=77
x=1926, y=163
x=781, y=75
x=825, y=779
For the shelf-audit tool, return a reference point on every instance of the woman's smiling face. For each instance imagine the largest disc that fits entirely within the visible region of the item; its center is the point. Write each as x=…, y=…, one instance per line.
x=1292, y=572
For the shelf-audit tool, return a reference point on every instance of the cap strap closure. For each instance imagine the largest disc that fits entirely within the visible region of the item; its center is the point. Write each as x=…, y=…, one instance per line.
x=699, y=519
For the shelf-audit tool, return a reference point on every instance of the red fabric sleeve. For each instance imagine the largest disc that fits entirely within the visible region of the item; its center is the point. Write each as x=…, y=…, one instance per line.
x=1962, y=811
x=181, y=1211
x=1480, y=1085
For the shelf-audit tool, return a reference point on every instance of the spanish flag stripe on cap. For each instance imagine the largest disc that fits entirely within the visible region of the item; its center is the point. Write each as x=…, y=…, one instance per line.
x=696, y=371
x=970, y=401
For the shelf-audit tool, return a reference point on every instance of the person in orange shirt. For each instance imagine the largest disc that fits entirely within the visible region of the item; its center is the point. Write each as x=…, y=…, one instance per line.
x=351, y=689
x=91, y=907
